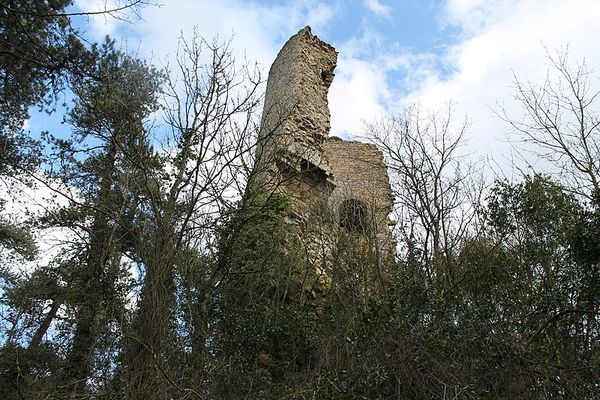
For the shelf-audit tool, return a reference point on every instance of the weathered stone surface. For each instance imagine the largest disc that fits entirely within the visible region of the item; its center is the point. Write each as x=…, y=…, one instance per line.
x=295, y=156
x=360, y=174
x=296, y=119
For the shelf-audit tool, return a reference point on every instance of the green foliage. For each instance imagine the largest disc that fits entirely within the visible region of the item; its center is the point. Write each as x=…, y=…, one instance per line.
x=19, y=240
x=38, y=51
x=265, y=323
x=38, y=47
x=119, y=95
x=25, y=372
x=17, y=151
x=521, y=321
x=89, y=282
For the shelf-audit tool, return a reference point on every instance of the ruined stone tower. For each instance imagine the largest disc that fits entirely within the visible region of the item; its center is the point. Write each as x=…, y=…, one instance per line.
x=296, y=157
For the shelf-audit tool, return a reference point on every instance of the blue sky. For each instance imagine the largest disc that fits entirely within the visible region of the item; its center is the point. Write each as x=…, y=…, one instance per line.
x=392, y=52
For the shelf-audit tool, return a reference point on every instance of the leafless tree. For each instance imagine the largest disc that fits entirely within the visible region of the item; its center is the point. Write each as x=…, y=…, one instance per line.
x=436, y=187
x=560, y=122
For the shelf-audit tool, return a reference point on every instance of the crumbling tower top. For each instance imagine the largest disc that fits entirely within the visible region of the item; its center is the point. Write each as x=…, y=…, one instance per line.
x=296, y=119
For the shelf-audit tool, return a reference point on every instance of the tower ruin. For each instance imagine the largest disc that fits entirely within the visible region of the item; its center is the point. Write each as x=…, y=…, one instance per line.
x=296, y=156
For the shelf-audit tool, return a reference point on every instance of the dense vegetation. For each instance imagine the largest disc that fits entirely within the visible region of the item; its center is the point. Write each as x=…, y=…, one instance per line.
x=175, y=281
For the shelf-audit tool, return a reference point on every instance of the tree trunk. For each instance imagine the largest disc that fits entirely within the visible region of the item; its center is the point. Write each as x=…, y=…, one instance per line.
x=43, y=328
x=150, y=351
x=97, y=285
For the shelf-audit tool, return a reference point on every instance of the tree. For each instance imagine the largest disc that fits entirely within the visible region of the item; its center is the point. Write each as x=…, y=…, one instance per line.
x=553, y=307
x=34, y=51
x=17, y=240
x=111, y=112
x=39, y=51
x=436, y=189
x=95, y=172
x=212, y=116
x=264, y=321
x=129, y=203
x=561, y=122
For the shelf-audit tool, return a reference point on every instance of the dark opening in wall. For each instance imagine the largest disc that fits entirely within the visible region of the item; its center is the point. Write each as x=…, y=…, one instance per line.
x=327, y=76
x=305, y=165
x=353, y=215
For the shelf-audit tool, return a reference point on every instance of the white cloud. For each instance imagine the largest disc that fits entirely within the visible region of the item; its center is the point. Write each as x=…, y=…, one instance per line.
x=355, y=96
x=472, y=15
x=162, y=26
x=257, y=31
x=102, y=23
x=362, y=90
x=378, y=8
x=502, y=38
x=319, y=16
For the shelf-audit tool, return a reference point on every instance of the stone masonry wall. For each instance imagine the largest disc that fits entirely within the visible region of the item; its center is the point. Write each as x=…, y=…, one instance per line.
x=360, y=174
x=296, y=120
x=295, y=155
